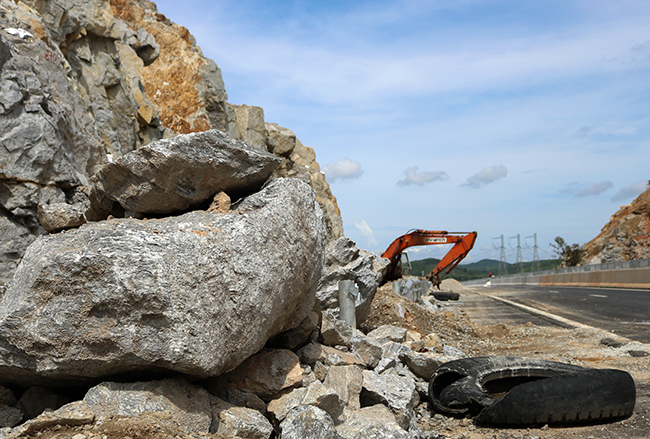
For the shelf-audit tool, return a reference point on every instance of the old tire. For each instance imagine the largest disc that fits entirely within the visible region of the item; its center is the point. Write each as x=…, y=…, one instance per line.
x=517, y=391
x=445, y=295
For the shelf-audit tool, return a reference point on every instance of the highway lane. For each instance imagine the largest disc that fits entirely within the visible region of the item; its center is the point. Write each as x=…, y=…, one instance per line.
x=622, y=311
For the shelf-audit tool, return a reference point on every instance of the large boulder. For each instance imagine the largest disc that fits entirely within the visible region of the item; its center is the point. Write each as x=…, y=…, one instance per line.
x=178, y=293
x=171, y=175
x=345, y=261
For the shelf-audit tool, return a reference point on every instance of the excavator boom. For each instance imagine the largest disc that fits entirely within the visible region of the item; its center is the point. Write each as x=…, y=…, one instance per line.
x=463, y=243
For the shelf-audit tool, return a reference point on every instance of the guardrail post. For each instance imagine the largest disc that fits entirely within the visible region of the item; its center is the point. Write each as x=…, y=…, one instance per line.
x=348, y=292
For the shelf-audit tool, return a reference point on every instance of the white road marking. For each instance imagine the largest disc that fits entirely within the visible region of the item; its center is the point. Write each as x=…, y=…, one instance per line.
x=597, y=295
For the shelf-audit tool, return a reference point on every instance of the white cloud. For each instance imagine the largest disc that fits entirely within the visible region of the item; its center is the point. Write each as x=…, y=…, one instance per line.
x=631, y=191
x=343, y=169
x=421, y=178
x=366, y=232
x=487, y=176
x=595, y=189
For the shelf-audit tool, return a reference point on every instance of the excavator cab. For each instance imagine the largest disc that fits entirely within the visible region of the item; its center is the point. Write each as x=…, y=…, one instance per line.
x=405, y=264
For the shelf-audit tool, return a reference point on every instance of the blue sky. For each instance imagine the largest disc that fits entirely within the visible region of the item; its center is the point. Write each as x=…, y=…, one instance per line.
x=504, y=117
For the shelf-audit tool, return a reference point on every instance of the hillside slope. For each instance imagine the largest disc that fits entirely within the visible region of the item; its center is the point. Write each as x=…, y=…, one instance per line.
x=625, y=237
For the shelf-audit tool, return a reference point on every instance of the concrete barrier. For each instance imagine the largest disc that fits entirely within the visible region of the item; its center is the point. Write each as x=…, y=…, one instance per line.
x=624, y=274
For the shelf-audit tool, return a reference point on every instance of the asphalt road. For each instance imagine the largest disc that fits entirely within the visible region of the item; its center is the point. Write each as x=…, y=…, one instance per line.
x=621, y=311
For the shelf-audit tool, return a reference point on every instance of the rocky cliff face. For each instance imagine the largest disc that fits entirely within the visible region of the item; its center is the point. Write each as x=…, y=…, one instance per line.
x=625, y=237
x=84, y=82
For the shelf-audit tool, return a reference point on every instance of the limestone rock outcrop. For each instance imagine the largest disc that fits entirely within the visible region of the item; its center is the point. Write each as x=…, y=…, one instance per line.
x=625, y=237
x=83, y=83
x=127, y=295
x=172, y=175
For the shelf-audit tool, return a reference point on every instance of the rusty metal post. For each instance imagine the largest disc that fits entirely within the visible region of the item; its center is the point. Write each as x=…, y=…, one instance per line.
x=348, y=292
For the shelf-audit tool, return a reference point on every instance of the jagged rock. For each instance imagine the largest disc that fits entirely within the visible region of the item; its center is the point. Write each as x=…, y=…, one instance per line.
x=60, y=216
x=345, y=261
x=7, y=397
x=243, y=398
x=10, y=416
x=280, y=141
x=75, y=413
x=242, y=422
x=308, y=422
x=177, y=293
x=316, y=394
x=334, y=332
x=173, y=174
x=265, y=374
x=388, y=333
x=188, y=405
x=375, y=422
x=346, y=382
x=421, y=364
x=329, y=356
x=385, y=364
x=625, y=236
x=367, y=348
x=247, y=123
x=396, y=392
x=220, y=203
x=38, y=399
x=296, y=337
x=14, y=240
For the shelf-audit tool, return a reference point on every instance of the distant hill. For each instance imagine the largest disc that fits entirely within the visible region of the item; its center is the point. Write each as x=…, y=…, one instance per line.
x=477, y=270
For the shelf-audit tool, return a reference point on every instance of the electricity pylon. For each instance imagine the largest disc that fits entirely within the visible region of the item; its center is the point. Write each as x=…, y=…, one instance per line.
x=536, y=266
x=503, y=268
x=519, y=267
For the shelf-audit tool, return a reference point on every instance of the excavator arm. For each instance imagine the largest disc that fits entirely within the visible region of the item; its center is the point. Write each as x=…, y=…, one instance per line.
x=463, y=243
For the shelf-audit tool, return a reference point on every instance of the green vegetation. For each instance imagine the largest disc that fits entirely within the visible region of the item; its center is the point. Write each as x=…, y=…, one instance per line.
x=568, y=255
x=476, y=270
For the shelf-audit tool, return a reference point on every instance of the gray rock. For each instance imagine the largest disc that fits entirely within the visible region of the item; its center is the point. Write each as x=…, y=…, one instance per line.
x=346, y=382
x=280, y=141
x=388, y=333
x=308, y=422
x=10, y=416
x=243, y=398
x=265, y=374
x=421, y=364
x=74, y=414
x=396, y=392
x=376, y=422
x=385, y=364
x=296, y=337
x=454, y=353
x=178, y=293
x=334, y=332
x=60, y=216
x=38, y=399
x=171, y=175
x=14, y=240
x=345, y=261
x=7, y=397
x=188, y=405
x=316, y=394
x=245, y=423
x=327, y=355
x=367, y=348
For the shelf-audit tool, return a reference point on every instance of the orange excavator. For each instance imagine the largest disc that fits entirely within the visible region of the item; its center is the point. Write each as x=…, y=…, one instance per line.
x=463, y=243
